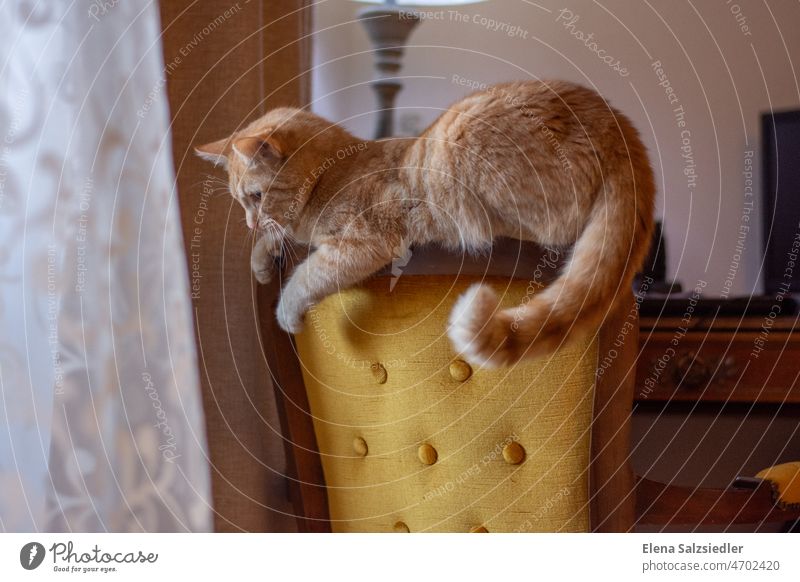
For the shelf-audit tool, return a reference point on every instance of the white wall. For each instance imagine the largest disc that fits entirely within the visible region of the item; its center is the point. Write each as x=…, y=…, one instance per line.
x=722, y=74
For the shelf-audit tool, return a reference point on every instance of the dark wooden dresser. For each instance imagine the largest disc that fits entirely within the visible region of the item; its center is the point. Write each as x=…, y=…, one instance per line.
x=752, y=359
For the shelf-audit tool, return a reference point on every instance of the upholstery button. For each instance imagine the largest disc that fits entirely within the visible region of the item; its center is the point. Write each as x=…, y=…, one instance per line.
x=513, y=453
x=360, y=446
x=427, y=454
x=460, y=371
x=479, y=529
x=400, y=527
x=379, y=373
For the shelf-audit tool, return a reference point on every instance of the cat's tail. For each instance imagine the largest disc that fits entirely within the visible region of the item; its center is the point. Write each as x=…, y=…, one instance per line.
x=604, y=260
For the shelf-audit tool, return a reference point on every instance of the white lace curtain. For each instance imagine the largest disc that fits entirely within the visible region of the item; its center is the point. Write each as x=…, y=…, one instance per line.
x=101, y=423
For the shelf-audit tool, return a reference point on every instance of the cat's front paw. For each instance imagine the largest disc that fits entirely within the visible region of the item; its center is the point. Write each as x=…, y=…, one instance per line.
x=263, y=273
x=263, y=266
x=290, y=317
x=265, y=261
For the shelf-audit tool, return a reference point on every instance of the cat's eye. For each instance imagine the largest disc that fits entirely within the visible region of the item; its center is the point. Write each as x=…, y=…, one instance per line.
x=256, y=196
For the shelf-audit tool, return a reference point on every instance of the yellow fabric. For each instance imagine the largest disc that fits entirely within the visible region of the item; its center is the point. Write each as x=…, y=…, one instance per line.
x=785, y=480
x=545, y=406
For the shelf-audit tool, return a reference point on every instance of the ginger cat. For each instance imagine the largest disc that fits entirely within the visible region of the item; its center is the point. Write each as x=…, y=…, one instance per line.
x=549, y=162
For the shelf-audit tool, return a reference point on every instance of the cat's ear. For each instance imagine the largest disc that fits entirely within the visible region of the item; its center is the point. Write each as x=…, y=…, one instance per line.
x=215, y=152
x=276, y=143
x=267, y=146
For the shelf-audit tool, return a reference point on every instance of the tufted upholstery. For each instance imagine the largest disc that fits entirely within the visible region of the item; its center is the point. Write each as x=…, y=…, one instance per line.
x=413, y=439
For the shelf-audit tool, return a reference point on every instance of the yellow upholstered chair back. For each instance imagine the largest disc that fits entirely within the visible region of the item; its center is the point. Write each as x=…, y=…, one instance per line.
x=413, y=439
x=387, y=430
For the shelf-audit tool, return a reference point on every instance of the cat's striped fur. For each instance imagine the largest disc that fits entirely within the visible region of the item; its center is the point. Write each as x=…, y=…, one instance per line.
x=550, y=162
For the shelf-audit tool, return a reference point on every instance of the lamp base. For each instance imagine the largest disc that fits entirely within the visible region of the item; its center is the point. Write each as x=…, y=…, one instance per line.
x=388, y=28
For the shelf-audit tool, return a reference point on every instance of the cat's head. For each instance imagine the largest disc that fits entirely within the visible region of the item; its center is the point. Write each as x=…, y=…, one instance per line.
x=273, y=164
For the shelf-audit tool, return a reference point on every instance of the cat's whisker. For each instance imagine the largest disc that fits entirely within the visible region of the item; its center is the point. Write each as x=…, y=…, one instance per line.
x=209, y=178
x=290, y=250
x=212, y=184
x=221, y=192
x=247, y=238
